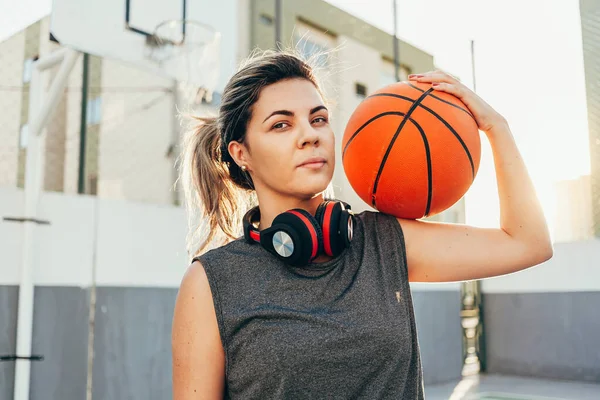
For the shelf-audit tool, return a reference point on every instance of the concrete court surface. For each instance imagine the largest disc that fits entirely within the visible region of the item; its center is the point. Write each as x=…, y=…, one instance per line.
x=497, y=387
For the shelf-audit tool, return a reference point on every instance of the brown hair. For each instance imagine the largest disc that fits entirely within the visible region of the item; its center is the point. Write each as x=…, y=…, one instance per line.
x=217, y=192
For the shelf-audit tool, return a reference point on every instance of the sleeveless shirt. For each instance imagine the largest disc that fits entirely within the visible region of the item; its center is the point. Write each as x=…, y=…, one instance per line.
x=341, y=329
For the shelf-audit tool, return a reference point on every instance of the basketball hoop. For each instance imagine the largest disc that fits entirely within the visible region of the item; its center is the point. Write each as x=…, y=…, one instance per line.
x=188, y=49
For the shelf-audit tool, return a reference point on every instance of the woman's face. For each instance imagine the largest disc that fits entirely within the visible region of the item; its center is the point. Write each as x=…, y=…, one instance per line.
x=290, y=140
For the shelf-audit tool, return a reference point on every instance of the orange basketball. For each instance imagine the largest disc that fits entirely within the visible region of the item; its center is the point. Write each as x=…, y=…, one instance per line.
x=410, y=151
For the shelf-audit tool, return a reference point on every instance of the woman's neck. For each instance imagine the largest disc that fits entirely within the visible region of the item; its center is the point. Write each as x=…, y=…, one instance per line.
x=272, y=206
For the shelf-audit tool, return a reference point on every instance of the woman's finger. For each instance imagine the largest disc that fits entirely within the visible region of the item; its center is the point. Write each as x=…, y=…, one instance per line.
x=434, y=77
x=449, y=88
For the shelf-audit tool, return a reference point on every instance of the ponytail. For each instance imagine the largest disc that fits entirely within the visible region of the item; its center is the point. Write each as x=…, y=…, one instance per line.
x=213, y=201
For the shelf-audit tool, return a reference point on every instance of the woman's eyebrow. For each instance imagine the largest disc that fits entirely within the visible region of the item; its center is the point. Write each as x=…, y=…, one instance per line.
x=280, y=112
x=291, y=114
x=318, y=108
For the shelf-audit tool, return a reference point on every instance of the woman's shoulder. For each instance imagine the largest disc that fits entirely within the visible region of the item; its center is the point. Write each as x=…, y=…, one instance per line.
x=231, y=253
x=380, y=227
x=375, y=219
x=224, y=266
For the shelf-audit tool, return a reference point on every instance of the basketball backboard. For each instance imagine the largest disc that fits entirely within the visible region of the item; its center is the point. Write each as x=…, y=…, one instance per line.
x=150, y=34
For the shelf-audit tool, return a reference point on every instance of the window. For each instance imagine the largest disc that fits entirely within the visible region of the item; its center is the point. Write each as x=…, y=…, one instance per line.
x=309, y=48
x=387, y=76
x=27, y=70
x=265, y=19
x=310, y=41
x=94, y=111
x=23, y=136
x=361, y=90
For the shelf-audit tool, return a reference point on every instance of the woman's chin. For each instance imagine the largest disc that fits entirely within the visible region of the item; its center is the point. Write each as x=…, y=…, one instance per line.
x=312, y=188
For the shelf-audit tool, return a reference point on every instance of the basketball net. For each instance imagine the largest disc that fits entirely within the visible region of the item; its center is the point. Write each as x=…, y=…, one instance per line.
x=189, y=51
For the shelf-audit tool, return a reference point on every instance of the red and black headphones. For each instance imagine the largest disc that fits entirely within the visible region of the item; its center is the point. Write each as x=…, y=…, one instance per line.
x=297, y=238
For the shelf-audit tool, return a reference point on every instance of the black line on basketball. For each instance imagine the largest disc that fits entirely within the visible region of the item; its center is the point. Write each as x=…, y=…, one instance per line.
x=443, y=101
x=442, y=120
x=391, y=95
x=429, y=172
x=389, y=148
x=365, y=125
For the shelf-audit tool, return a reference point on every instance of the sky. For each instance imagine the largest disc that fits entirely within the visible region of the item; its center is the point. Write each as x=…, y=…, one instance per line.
x=527, y=66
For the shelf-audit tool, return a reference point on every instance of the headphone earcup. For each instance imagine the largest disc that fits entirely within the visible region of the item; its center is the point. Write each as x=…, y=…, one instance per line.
x=251, y=234
x=336, y=223
x=324, y=216
x=295, y=237
x=346, y=228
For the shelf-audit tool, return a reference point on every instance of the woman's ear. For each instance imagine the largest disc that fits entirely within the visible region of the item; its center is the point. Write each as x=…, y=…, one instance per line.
x=239, y=153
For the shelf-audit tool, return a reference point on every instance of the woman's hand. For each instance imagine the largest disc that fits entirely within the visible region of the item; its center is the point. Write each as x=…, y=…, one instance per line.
x=486, y=117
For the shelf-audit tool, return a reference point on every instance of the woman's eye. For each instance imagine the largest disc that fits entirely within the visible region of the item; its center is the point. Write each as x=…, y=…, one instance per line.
x=280, y=125
x=320, y=119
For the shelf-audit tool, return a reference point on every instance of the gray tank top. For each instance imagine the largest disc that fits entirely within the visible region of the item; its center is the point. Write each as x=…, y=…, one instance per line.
x=343, y=329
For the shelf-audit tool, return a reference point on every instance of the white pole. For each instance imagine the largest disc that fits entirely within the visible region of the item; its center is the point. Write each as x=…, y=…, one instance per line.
x=50, y=60
x=40, y=111
x=58, y=86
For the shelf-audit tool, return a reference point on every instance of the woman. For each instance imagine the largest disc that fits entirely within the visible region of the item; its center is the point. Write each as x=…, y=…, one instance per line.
x=334, y=324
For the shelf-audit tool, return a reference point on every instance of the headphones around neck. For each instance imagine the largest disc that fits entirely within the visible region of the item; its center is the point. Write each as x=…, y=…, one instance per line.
x=297, y=238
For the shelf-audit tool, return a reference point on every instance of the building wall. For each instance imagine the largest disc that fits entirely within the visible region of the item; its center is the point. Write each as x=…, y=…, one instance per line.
x=12, y=57
x=326, y=17
x=8, y=318
x=18, y=52
x=134, y=135
x=590, y=25
x=55, y=135
x=437, y=313
x=574, y=218
x=100, y=259
x=543, y=321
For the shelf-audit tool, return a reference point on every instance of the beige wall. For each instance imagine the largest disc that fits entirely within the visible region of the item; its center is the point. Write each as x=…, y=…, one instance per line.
x=573, y=218
x=590, y=26
x=243, y=39
x=135, y=134
x=12, y=55
x=14, y=109
x=325, y=17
